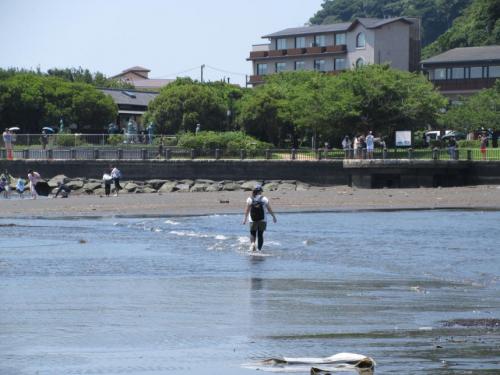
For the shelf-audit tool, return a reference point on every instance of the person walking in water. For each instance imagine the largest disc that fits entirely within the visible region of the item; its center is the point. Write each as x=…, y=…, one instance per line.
x=255, y=214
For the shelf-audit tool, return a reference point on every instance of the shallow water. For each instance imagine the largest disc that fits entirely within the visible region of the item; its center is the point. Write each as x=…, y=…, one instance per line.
x=182, y=295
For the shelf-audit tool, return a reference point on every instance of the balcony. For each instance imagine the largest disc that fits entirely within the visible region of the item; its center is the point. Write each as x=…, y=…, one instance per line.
x=256, y=79
x=474, y=84
x=291, y=52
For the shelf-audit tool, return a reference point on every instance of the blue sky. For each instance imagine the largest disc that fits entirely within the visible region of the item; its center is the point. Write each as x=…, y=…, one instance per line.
x=167, y=37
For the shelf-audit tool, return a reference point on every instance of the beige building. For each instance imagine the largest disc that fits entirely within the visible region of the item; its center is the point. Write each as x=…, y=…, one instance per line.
x=337, y=47
x=139, y=77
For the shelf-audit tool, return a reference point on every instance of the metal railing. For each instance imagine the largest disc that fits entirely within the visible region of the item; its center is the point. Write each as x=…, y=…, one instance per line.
x=148, y=152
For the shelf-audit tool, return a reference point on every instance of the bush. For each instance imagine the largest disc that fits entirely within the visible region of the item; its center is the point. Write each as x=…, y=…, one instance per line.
x=67, y=140
x=115, y=139
x=225, y=140
x=469, y=144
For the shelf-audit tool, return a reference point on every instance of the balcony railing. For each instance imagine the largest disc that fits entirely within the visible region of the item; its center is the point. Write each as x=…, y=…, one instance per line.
x=256, y=79
x=465, y=84
x=256, y=55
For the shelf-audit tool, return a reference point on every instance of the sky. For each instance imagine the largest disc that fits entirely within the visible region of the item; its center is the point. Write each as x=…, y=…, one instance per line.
x=170, y=37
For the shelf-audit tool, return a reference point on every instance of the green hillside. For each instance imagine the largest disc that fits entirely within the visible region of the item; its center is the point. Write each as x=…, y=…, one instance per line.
x=437, y=15
x=479, y=26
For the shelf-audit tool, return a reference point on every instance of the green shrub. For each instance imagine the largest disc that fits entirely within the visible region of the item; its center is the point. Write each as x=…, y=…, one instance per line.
x=224, y=140
x=67, y=140
x=167, y=141
x=469, y=144
x=116, y=139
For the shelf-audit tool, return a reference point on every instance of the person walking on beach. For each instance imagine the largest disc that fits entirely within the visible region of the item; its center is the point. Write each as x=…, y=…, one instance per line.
x=107, y=179
x=33, y=178
x=255, y=214
x=116, y=175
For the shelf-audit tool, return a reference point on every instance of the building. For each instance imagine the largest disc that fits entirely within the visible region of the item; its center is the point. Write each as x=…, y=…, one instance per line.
x=139, y=77
x=131, y=105
x=336, y=47
x=463, y=71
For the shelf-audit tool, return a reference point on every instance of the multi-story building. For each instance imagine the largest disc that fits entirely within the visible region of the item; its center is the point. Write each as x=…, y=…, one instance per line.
x=139, y=77
x=336, y=47
x=463, y=71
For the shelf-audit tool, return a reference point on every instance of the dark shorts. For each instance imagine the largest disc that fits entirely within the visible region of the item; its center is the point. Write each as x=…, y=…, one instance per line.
x=258, y=226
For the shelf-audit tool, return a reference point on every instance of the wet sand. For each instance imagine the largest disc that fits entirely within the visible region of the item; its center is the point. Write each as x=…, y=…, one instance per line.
x=341, y=198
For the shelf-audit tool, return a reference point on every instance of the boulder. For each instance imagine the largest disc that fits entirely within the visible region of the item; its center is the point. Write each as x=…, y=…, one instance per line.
x=187, y=182
x=53, y=182
x=271, y=186
x=156, y=183
x=75, y=184
x=183, y=188
x=99, y=191
x=250, y=185
x=91, y=186
x=168, y=187
x=206, y=182
x=232, y=186
x=198, y=187
x=302, y=186
x=130, y=187
x=148, y=190
x=214, y=187
x=287, y=187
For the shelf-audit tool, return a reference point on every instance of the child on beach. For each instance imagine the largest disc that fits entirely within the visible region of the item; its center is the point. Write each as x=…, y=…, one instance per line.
x=4, y=187
x=20, y=186
x=107, y=179
x=33, y=178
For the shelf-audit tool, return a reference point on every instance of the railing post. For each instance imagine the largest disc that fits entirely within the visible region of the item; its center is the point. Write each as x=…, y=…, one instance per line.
x=456, y=154
x=351, y=153
x=268, y=154
x=363, y=153
x=410, y=153
x=120, y=154
x=242, y=154
x=144, y=154
x=26, y=154
x=469, y=155
x=435, y=153
x=95, y=153
x=217, y=154
x=319, y=154
x=384, y=153
x=193, y=153
x=50, y=153
x=73, y=153
x=294, y=154
x=168, y=154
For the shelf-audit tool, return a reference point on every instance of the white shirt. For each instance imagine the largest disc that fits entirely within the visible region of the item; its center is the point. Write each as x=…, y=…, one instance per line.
x=369, y=141
x=115, y=173
x=264, y=201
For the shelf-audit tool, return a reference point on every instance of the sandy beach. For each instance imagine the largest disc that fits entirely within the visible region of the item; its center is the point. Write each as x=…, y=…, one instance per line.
x=339, y=198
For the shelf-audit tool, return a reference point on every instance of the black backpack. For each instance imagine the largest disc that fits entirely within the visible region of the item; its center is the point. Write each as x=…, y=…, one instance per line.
x=257, y=210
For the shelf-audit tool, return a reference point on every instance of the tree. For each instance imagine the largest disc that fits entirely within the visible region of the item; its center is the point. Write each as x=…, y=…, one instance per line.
x=183, y=104
x=481, y=110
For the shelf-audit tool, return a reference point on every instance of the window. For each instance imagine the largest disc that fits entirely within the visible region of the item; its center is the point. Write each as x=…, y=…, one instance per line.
x=261, y=69
x=360, y=62
x=300, y=42
x=300, y=65
x=340, y=64
x=494, y=71
x=361, y=40
x=281, y=43
x=319, y=41
x=457, y=73
x=476, y=72
x=319, y=65
x=280, y=67
x=339, y=39
x=439, y=74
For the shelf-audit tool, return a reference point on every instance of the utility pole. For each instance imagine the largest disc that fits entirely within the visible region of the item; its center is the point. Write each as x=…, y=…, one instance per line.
x=202, y=67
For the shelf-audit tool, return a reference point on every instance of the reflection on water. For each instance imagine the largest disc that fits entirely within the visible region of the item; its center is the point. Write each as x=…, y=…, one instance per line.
x=176, y=295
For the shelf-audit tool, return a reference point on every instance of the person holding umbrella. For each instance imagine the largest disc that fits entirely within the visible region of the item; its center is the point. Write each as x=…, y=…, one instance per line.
x=45, y=136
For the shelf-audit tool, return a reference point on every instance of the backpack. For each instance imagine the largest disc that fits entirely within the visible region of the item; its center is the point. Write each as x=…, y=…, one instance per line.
x=257, y=210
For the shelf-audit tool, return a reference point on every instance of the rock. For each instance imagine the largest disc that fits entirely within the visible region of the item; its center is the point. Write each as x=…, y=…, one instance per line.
x=156, y=184
x=75, y=184
x=214, y=187
x=206, y=182
x=287, y=187
x=139, y=190
x=198, y=187
x=231, y=187
x=130, y=187
x=183, y=188
x=302, y=186
x=289, y=182
x=271, y=186
x=168, y=187
x=250, y=185
x=53, y=182
x=91, y=186
x=99, y=191
x=187, y=182
x=148, y=190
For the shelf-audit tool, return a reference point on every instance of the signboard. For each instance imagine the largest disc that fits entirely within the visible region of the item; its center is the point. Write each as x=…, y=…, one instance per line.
x=403, y=138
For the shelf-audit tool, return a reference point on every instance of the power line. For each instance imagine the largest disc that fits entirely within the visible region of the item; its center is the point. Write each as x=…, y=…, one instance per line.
x=225, y=71
x=176, y=74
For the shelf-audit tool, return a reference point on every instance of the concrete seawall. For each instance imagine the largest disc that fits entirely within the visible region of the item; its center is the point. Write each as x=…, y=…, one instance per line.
x=359, y=173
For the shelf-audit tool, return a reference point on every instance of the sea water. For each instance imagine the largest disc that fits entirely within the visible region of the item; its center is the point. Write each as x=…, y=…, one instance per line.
x=183, y=295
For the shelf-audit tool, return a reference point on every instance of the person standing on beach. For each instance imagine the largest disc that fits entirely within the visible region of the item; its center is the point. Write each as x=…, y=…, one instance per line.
x=20, y=187
x=33, y=178
x=255, y=214
x=107, y=179
x=116, y=175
